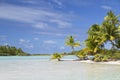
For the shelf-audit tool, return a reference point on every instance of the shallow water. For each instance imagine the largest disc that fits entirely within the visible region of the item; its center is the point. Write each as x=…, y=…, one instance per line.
x=42, y=68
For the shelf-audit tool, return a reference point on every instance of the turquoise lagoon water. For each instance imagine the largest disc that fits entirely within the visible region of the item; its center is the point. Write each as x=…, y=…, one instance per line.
x=42, y=68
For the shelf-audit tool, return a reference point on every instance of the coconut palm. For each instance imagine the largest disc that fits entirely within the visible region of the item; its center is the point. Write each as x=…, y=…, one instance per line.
x=92, y=46
x=100, y=34
x=95, y=39
x=117, y=43
x=57, y=56
x=82, y=54
x=110, y=27
x=71, y=42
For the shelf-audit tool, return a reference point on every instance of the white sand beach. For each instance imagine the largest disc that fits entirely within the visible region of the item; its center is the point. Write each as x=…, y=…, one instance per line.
x=109, y=62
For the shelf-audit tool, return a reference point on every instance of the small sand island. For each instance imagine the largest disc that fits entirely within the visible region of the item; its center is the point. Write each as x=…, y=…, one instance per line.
x=98, y=37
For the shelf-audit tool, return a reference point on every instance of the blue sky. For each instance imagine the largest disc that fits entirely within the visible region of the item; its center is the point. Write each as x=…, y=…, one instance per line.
x=41, y=26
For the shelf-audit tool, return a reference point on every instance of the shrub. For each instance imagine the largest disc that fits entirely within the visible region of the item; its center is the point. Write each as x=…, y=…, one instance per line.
x=115, y=56
x=98, y=58
x=81, y=54
x=101, y=57
x=105, y=58
x=56, y=56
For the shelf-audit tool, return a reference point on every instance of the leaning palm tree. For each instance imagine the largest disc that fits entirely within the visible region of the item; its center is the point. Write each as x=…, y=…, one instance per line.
x=71, y=42
x=98, y=35
x=110, y=27
x=57, y=56
x=91, y=46
x=117, y=43
x=95, y=39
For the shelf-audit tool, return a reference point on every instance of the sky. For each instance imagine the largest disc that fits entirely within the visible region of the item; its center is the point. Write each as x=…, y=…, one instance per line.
x=41, y=26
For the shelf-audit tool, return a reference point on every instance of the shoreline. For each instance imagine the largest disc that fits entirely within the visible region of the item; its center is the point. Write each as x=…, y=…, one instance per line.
x=89, y=61
x=109, y=62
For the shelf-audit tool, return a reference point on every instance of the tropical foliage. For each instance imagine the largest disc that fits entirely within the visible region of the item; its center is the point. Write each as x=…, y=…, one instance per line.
x=11, y=51
x=108, y=31
x=94, y=40
x=98, y=36
x=111, y=28
x=57, y=56
x=71, y=42
x=82, y=54
x=101, y=57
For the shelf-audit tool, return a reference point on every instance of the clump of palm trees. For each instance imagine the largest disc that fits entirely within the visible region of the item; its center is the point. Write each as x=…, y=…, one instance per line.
x=98, y=36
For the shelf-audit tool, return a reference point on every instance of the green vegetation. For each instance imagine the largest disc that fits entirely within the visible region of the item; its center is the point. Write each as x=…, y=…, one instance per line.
x=108, y=31
x=81, y=54
x=98, y=36
x=100, y=57
x=71, y=42
x=57, y=56
x=11, y=51
x=40, y=54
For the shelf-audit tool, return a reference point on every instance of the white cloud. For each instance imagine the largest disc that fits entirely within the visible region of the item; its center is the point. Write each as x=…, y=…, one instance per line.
x=62, y=24
x=106, y=7
x=51, y=33
x=16, y=13
x=29, y=46
x=50, y=42
x=29, y=1
x=26, y=43
x=62, y=47
x=41, y=25
x=36, y=38
x=21, y=41
x=58, y=2
x=39, y=18
x=61, y=34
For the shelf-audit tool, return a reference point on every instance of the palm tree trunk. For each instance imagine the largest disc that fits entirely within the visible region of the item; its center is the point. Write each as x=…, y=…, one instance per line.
x=113, y=47
x=59, y=59
x=72, y=49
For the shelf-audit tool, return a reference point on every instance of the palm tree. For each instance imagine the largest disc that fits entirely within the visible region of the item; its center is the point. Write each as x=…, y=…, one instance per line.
x=110, y=27
x=98, y=35
x=71, y=42
x=95, y=39
x=82, y=54
x=117, y=43
x=57, y=56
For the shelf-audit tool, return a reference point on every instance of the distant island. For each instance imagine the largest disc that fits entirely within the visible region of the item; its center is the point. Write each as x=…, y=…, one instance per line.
x=40, y=54
x=12, y=51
